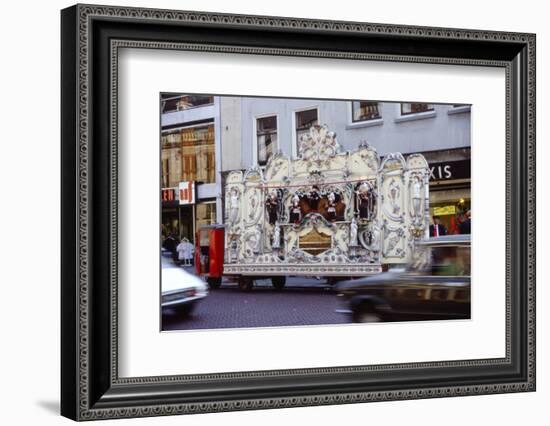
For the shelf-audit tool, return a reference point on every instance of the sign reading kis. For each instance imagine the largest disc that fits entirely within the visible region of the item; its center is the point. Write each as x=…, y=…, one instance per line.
x=450, y=170
x=187, y=192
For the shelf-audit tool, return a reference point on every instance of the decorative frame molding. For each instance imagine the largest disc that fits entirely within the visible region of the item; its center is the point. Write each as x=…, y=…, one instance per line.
x=91, y=388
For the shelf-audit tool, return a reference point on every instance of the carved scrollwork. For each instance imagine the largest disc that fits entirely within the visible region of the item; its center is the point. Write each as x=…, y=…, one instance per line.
x=392, y=200
x=252, y=206
x=296, y=255
x=252, y=243
x=318, y=145
x=393, y=244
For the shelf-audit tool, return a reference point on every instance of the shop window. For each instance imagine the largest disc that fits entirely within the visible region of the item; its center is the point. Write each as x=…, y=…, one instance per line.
x=170, y=222
x=364, y=111
x=266, y=135
x=415, y=108
x=205, y=214
x=451, y=213
x=304, y=120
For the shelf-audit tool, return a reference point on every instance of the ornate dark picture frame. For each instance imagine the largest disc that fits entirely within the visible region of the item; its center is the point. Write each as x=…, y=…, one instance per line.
x=91, y=37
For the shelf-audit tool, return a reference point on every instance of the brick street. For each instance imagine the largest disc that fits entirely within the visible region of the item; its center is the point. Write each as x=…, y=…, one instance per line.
x=228, y=307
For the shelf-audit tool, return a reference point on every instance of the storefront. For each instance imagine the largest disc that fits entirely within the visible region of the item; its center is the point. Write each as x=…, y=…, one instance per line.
x=170, y=212
x=450, y=188
x=182, y=214
x=189, y=178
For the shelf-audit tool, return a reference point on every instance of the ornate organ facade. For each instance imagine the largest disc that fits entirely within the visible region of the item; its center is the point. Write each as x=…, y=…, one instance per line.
x=327, y=212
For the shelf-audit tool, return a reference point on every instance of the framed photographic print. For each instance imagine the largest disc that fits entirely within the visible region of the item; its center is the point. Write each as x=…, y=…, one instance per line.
x=263, y=212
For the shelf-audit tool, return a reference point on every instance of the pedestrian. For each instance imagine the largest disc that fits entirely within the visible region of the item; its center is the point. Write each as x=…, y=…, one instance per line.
x=170, y=244
x=185, y=251
x=437, y=229
x=189, y=252
x=465, y=226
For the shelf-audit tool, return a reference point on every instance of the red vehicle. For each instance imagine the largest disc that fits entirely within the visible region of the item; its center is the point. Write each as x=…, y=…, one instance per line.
x=209, y=260
x=209, y=253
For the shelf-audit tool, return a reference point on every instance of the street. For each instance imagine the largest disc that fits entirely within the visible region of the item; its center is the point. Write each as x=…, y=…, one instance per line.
x=304, y=301
x=262, y=307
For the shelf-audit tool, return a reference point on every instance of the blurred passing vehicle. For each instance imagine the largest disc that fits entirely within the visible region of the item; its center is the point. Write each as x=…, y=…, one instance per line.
x=181, y=290
x=436, y=285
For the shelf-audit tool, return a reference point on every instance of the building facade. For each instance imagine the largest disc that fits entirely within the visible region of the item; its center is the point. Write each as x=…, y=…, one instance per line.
x=190, y=133
x=204, y=137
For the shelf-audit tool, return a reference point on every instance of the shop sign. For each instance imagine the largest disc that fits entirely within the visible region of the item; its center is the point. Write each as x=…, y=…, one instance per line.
x=444, y=210
x=168, y=194
x=450, y=170
x=187, y=192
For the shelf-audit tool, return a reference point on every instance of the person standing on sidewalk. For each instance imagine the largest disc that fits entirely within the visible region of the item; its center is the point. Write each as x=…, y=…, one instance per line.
x=185, y=252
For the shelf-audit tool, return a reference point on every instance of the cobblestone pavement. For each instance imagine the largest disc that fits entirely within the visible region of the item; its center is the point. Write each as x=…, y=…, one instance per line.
x=303, y=301
x=228, y=307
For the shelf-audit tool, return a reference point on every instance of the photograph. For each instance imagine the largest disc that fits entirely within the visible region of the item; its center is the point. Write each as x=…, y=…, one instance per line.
x=279, y=212
x=272, y=208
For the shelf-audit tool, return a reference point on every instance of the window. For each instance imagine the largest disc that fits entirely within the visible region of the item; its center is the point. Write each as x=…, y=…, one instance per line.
x=192, y=153
x=364, y=111
x=171, y=139
x=304, y=121
x=181, y=103
x=205, y=214
x=266, y=134
x=165, y=172
x=459, y=108
x=198, y=154
x=415, y=108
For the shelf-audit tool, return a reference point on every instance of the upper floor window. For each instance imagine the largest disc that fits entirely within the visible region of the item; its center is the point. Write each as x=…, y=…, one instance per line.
x=304, y=120
x=364, y=111
x=191, y=155
x=165, y=172
x=181, y=103
x=458, y=108
x=415, y=108
x=171, y=139
x=266, y=135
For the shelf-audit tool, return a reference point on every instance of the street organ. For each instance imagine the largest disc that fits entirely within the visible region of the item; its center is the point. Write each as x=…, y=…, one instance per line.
x=325, y=213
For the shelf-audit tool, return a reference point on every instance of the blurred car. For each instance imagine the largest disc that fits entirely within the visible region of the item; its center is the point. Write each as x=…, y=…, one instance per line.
x=436, y=285
x=181, y=290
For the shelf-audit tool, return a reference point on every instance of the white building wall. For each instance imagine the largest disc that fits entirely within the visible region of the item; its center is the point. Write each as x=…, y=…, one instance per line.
x=231, y=133
x=445, y=128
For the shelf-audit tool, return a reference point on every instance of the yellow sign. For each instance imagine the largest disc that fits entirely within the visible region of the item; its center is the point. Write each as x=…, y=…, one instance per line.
x=445, y=210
